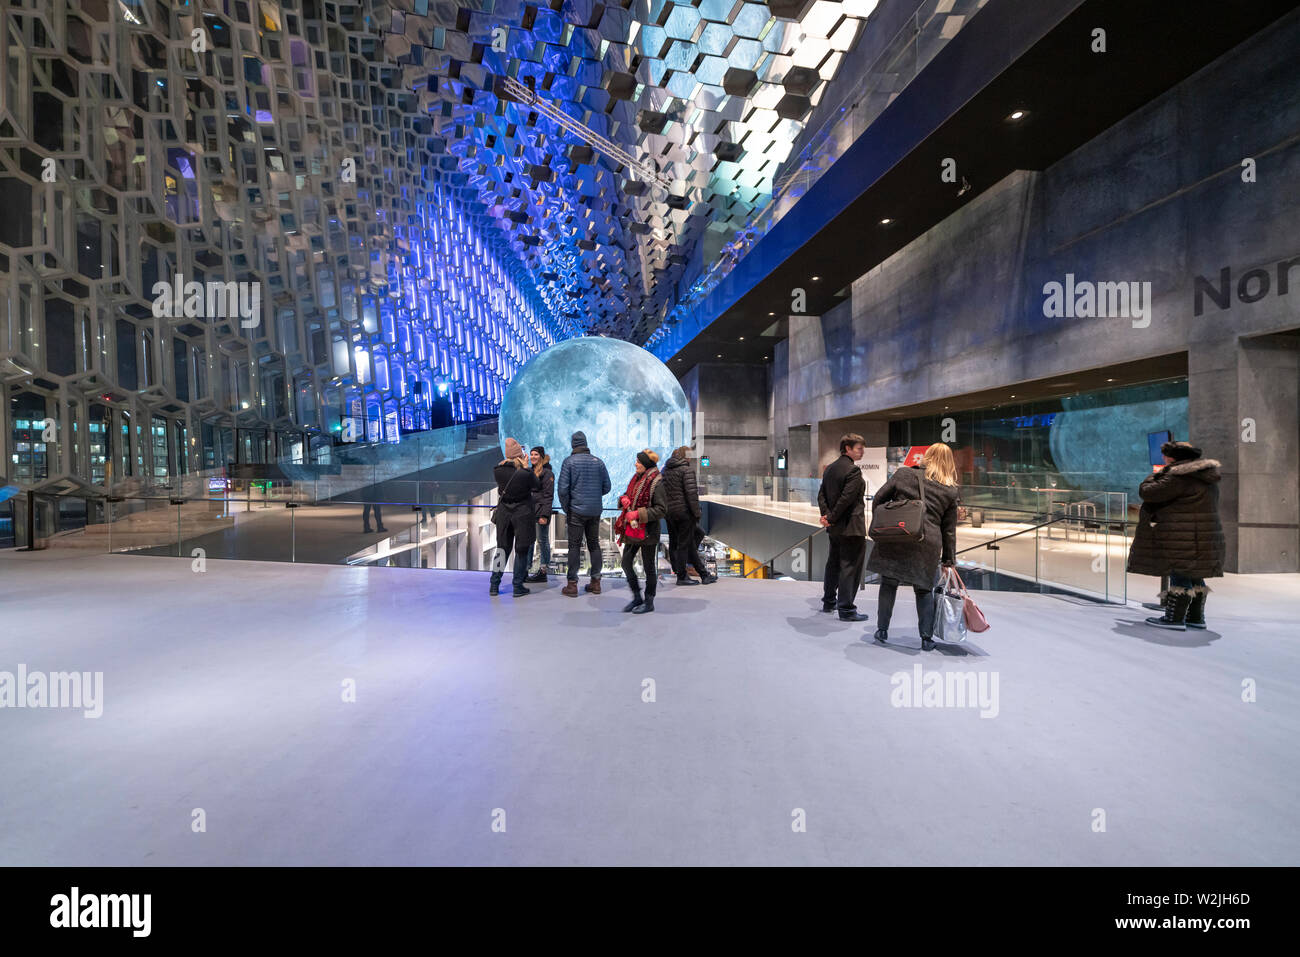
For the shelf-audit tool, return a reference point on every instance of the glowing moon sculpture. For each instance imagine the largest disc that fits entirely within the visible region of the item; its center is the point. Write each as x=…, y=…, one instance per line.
x=619, y=394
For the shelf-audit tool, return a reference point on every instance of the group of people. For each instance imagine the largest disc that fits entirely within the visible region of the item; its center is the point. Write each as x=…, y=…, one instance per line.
x=528, y=488
x=1178, y=537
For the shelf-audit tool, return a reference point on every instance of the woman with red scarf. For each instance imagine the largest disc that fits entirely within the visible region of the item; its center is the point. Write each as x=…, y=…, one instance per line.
x=637, y=527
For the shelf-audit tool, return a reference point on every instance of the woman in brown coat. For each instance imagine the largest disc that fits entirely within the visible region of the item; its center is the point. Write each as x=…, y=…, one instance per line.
x=1179, y=533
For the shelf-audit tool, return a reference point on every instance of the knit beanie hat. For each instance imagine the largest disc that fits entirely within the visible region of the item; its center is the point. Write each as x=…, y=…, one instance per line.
x=513, y=449
x=579, y=440
x=539, y=450
x=647, y=458
x=1180, y=451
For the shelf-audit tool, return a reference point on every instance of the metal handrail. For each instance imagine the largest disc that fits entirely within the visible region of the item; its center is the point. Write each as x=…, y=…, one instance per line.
x=993, y=541
x=327, y=503
x=1034, y=528
x=807, y=539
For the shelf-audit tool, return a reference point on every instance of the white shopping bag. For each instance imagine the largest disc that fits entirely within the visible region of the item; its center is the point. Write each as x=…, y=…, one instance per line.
x=950, y=616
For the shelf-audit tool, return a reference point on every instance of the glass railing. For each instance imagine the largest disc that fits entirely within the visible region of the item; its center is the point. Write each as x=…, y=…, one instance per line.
x=796, y=499
x=333, y=471
x=1059, y=555
x=1064, y=540
x=454, y=532
x=1087, y=556
x=1008, y=537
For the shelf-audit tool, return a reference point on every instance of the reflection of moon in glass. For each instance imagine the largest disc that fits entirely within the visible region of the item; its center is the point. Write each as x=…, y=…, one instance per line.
x=619, y=394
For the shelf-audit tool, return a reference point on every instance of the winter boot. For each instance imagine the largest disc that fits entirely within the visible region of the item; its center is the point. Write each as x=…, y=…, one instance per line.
x=593, y=586
x=1176, y=605
x=538, y=577
x=520, y=591
x=882, y=635
x=493, y=589
x=686, y=580
x=1196, y=610
x=1157, y=605
x=636, y=602
x=645, y=607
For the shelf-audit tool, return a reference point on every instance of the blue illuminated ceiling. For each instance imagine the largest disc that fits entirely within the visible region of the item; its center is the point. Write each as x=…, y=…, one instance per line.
x=705, y=98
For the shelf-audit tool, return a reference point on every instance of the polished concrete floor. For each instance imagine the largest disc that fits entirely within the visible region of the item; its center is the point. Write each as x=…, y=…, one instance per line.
x=223, y=692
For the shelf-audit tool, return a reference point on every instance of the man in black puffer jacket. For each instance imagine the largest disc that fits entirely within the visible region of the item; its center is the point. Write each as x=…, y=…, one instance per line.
x=1179, y=533
x=683, y=496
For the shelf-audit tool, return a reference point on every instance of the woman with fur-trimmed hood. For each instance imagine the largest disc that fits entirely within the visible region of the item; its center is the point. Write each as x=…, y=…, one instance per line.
x=1179, y=533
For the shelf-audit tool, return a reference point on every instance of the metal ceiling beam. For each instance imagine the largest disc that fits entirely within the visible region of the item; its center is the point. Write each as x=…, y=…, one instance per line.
x=528, y=97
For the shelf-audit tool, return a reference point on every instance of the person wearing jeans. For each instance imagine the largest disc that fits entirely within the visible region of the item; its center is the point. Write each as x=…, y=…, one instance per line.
x=583, y=483
x=366, y=509
x=542, y=502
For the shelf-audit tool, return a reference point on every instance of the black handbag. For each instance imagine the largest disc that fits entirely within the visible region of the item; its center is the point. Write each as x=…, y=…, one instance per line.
x=900, y=520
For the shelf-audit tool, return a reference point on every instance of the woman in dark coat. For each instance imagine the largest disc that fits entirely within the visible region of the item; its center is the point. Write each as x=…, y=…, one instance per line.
x=1179, y=533
x=917, y=563
x=514, y=516
x=683, y=495
x=544, y=508
x=644, y=504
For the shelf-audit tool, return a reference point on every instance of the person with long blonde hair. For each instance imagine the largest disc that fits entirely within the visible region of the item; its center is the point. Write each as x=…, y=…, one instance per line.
x=917, y=563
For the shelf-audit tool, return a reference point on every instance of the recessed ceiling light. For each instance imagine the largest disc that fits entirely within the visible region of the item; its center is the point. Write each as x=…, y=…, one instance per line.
x=771, y=314
x=886, y=221
x=816, y=278
x=1110, y=380
x=719, y=355
x=1017, y=115
x=1013, y=395
x=742, y=338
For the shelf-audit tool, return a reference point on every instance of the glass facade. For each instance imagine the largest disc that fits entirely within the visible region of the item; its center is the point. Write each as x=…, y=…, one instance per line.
x=245, y=226
x=226, y=254
x=1093, y=440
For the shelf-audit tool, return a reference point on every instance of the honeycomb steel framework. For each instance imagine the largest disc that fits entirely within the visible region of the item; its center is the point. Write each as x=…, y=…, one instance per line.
x=402, y=219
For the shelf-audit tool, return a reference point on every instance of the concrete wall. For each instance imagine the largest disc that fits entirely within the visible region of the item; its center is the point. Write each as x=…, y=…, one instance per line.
x=1157, y=198
x=731, y=408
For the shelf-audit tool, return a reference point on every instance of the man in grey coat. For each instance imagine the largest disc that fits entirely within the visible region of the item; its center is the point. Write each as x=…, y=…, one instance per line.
x=583, y=482
x=841, y=501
